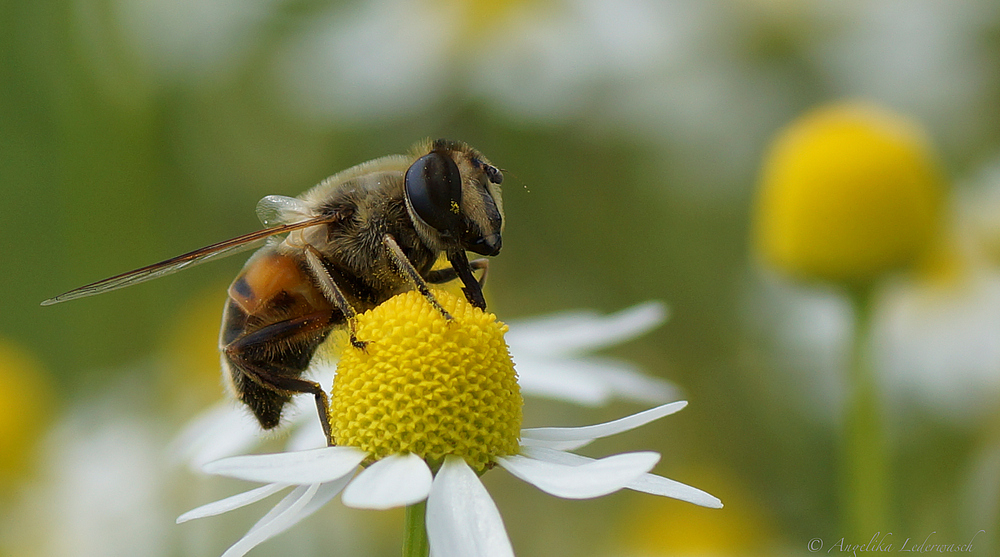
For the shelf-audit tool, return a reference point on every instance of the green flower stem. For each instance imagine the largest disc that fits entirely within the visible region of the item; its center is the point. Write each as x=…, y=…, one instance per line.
x=865, y=460
x=415, y=542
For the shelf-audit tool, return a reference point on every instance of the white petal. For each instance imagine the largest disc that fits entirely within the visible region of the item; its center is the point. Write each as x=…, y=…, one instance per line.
x=323, y=495
x=626, y=381
x=222, y=430
x=286, y=502
x=302, y=467
x=589, y=381
x=555, y=456
x=462, y=520
x=658, y=485
x=559, y=445
x=581, y=481
x=276, y=523
x=322, y=372
x=647, y=483
x=576, y=332
x=558, y=379
x=573, y=437
x=231, y=503
x=395, y=481
x=308, y=434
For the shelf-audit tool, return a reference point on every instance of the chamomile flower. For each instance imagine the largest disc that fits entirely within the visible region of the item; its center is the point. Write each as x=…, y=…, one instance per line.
x=553, y=361
x=417, y=417
x=852, y=194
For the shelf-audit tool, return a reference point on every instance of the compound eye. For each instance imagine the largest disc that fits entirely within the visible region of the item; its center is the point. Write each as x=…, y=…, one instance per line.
x=434, y=190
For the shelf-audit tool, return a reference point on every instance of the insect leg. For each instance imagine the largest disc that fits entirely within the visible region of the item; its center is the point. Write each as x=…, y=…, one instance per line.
x=462, y=268
x=406, y=267
x=295, y=385
x=481, y=264
x=333, y=293
x=473, y=290
x=440, y=276
x=265, y=366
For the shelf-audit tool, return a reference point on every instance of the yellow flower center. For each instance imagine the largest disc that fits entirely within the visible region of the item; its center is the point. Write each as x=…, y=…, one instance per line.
x=427, y=385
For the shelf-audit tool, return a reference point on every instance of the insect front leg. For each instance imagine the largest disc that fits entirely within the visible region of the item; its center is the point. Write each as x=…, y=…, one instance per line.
x=462, y=268
x=266, y=366
x=446, y=274
x=406, y=267
x=473, y=290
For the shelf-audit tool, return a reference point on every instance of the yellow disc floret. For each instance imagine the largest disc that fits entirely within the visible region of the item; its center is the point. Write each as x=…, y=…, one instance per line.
x=427, y=385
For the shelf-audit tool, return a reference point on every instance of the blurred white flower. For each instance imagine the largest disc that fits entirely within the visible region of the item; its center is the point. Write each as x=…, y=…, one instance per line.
x=100, y=491
x=192, y=40
x=938, y=343
x=936, y=336
x=552, y=362
x=934, y=344
x=535, y=60
x=553, y=63
x=921, y=56
x=551, y=356
x=369, y=60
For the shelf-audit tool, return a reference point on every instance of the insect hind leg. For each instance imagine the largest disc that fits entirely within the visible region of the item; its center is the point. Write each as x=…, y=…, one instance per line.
x=275, y=391
x=266, y=367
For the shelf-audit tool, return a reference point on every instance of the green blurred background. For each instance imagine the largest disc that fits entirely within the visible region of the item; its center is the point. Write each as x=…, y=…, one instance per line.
x=631, y=135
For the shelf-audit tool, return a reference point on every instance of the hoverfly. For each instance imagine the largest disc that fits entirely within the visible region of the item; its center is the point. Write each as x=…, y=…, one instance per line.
x=353, y=241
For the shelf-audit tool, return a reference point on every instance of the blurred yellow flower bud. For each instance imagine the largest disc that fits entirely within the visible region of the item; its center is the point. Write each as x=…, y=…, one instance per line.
x=26, y=402
x=848, y=193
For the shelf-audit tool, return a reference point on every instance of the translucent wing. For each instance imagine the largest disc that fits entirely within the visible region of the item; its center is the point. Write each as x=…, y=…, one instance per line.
x=174, y=264
x=278, y=209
